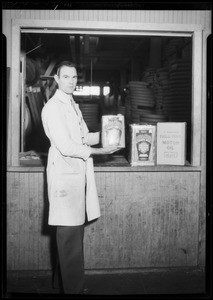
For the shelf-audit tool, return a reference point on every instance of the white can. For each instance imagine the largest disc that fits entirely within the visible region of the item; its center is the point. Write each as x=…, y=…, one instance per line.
x=113, y=131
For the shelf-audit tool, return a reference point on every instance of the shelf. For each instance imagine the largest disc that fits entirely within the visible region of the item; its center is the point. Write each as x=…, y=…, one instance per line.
x=116, y=163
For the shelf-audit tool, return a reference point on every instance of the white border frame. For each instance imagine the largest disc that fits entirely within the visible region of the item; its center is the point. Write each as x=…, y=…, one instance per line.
x=109, y=28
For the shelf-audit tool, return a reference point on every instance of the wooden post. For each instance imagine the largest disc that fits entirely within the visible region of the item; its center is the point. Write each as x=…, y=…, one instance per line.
x=23, y=102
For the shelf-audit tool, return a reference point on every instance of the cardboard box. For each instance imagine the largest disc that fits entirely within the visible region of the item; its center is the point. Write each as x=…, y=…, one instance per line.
x=171, y=143
x=113, y=131
x=142, y=145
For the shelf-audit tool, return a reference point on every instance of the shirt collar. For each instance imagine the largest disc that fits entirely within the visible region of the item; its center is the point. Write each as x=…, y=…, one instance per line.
x=65, y=98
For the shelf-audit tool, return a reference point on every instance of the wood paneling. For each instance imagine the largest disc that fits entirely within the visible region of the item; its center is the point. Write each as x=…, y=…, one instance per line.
x=149, y=219
x=27, y=235
x=143, y=16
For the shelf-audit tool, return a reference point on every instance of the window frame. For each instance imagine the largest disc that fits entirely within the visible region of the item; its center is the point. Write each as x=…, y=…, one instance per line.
x=108, y=28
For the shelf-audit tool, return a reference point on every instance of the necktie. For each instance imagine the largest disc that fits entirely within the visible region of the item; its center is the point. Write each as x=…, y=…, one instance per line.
x=73, y=104
x=80, y=119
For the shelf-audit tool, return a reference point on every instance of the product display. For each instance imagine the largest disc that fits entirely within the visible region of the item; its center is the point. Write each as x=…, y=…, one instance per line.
x=113, y=131
x=143, y=140
x=171, y=143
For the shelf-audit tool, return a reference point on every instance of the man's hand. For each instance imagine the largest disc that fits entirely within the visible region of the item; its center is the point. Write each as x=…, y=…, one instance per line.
x=104, y=151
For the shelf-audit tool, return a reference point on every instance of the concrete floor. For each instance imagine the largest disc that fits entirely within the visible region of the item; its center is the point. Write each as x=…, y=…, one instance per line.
x=142, y=282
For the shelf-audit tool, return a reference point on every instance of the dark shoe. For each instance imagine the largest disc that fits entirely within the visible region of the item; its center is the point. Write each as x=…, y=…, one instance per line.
x=85, y=291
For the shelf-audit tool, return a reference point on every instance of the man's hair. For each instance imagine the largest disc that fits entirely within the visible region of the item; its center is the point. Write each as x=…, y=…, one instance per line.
x=64, y=63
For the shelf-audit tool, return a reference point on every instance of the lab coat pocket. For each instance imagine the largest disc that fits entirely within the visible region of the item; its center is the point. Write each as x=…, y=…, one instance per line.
x=71, y=192
x=66, y=165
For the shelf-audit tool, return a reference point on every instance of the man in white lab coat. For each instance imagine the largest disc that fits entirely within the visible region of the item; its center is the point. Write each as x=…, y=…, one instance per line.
x=72, y=189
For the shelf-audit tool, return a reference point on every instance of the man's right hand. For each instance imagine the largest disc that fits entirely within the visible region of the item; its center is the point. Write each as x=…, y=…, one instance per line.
x=105, y=150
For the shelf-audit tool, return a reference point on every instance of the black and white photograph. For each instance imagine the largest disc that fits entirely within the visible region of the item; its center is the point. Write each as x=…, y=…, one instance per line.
x=107, y=149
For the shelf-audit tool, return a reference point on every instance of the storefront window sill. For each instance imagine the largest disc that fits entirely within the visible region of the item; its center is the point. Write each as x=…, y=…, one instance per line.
x=121, y=164
x=115, y=163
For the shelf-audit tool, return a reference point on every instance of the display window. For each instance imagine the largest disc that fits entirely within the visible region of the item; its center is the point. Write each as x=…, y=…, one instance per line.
x=148, y=77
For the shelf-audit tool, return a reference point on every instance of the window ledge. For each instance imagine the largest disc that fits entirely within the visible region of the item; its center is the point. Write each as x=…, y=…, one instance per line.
x=114, y=164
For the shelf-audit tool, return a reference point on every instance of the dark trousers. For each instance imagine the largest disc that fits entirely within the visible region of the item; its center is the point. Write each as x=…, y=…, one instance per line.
x=70, y=269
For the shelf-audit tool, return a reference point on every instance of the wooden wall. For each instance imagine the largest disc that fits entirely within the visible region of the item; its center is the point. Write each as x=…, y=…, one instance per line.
x=149, y=219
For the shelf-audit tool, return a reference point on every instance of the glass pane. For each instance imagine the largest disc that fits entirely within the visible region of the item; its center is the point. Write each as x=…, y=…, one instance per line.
x=146, y=78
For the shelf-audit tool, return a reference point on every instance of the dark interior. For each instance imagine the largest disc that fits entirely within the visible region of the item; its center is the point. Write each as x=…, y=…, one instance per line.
x=116, y=61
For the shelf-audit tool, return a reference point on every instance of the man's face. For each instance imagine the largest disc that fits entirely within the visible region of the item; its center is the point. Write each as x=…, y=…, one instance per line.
x=67, y=79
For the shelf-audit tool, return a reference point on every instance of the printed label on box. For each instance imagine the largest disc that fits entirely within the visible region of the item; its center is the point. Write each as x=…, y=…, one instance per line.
x=143, y=142
x=171, y=143
x=143, y=139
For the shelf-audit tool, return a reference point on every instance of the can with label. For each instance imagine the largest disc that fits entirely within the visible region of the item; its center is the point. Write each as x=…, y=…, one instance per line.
x=113, y=131
x=142, y=145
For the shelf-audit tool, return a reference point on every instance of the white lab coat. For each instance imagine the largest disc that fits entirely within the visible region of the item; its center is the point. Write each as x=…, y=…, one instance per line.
x=72, y=189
